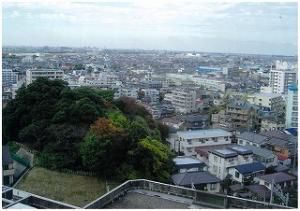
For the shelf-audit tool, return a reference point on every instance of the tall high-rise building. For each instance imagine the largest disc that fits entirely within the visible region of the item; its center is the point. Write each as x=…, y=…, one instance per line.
x=281, y=77
x=291, y=118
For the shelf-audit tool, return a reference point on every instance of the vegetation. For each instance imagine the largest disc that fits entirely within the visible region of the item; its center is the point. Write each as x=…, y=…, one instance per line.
x=85, y=129
x=70, y=188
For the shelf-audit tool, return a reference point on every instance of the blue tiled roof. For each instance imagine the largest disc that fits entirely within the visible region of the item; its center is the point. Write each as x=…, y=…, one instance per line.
x=293, y=131
x=250, y=167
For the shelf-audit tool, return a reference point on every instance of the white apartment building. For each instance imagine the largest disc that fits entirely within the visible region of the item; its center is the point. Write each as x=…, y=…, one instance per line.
x=33, y=74
x=220, y=161
x=211, y=84
x=280, y=80
x=274, y=102
x=153, y=94
x=178, y=78
x=189, y=140
x=183, y=100
x=126, y=92
x=291, y=118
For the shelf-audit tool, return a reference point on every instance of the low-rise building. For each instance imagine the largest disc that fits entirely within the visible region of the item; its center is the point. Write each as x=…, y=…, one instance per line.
x=245, y=173
x=184, y=100
x=201, y=180
x=33, y=74
x=196, y=122
x=265, y=156
x=280, y=178
x=253, y=139
x=189, y=140
x=221, y=160
x=188, y=164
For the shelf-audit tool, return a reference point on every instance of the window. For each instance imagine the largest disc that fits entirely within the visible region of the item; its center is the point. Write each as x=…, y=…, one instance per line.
x=5, y=167
x=213, y=186
x=215, y=158
x=237, y=174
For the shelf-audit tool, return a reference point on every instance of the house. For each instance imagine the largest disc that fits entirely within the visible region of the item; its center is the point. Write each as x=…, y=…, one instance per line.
x=202, y=152
x=283, y=149
x=249, y=138
x=280, y=178
x=201, y=180
x=188, y=164
x=7, y=167
x=189, y=140
x=259, y=192
x=282, y=143
x=246, y=172
x=196, y=122
x=265, y=156
x=221, y=160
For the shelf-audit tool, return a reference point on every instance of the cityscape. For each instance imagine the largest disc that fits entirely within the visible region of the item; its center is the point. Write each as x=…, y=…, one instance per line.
x=136, y=106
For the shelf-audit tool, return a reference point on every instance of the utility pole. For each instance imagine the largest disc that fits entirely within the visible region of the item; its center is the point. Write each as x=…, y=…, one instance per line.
x=295, y=155
x=272, y=187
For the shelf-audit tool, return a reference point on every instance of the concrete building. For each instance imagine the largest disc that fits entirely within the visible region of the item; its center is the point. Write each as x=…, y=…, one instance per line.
x=9, y=77
x=211, y=84
x=187, y=141
x=126, y=92
x=184, y=100
x=221, y=160
x=291, y=118
x=280, y=80
x=33, y=74
x=240, y=114
x=270, y=101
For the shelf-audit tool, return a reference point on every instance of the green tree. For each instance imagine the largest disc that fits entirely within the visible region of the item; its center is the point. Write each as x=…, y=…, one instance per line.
x=153, y=159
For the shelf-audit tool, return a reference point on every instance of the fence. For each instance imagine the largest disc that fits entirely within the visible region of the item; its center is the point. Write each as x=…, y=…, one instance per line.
x=210, y=200
x=82, y=173
x=20, y=160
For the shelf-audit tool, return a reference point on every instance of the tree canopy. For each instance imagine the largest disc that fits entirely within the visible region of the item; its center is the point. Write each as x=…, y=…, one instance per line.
x=85, y=129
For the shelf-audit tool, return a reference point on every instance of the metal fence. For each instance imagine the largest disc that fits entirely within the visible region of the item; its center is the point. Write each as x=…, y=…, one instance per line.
x=211, y=200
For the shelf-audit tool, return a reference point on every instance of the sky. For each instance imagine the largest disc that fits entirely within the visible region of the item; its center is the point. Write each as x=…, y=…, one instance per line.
x=230, y=27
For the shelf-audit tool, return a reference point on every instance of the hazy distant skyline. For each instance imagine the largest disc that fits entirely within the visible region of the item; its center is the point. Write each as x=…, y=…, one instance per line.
x=258, y=28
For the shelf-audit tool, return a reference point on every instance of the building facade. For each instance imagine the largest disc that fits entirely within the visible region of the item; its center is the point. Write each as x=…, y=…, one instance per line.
x=279, y=80
x=291, y=118
x=184, y=100
x=33, y=74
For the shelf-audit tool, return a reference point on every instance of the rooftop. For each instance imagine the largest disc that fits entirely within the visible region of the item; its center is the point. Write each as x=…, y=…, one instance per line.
x=250, y=167
x=226, y=153
x=196, y=178
x=253, y=137
x=203, y=133
x=260, y=151
x=241, y=150
x=136, y=200
x=268, y=95
x=277, y=177
x=184, y=160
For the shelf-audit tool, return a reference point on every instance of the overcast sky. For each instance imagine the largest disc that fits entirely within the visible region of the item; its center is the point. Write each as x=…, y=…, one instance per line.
x=262, y=28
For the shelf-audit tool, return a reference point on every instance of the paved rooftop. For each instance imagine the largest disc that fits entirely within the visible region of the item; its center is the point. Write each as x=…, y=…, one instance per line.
x=148, y=200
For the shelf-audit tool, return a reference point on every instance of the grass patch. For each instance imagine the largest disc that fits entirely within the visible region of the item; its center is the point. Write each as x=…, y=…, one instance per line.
x=73, y=189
